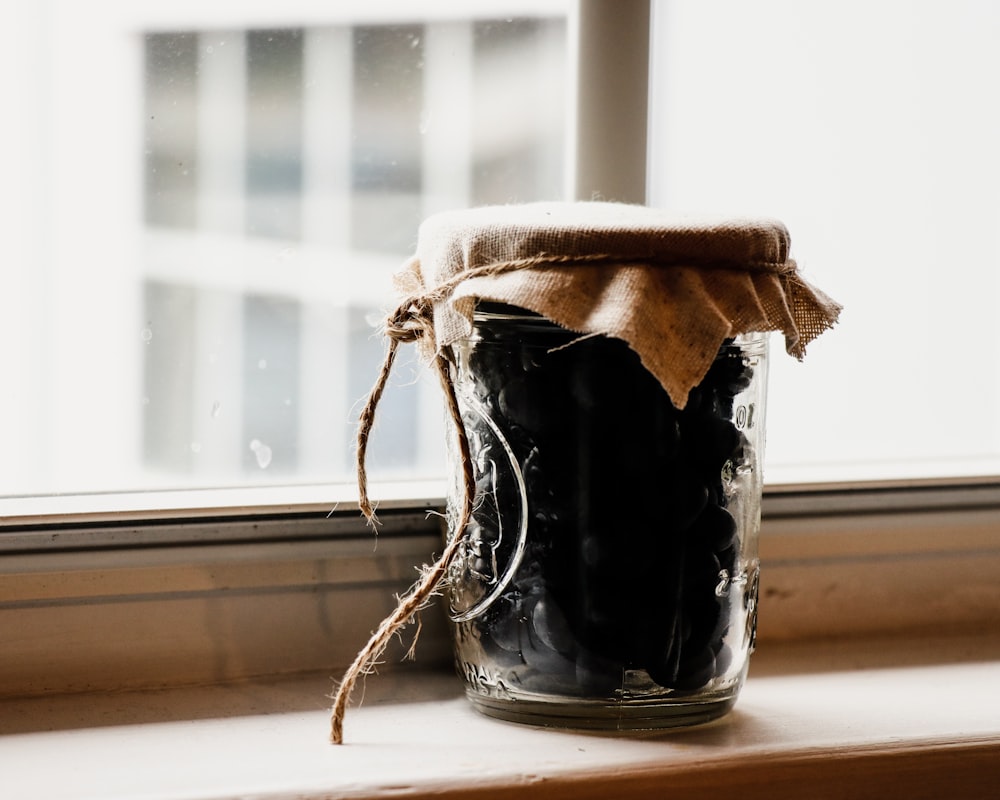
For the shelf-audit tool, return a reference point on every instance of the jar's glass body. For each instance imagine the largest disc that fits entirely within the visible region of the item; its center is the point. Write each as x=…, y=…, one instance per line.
x=608, y=577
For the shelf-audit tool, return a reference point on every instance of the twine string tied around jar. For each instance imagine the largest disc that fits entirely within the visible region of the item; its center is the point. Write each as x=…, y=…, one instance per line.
x=413, y=321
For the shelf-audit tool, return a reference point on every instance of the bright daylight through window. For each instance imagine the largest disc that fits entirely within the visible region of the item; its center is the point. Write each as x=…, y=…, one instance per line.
x=212, y=204
x=867, y=126
x=206, y=202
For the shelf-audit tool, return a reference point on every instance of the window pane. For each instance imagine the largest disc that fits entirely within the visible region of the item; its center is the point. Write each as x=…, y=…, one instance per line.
x=209, y=213
x=870, y=129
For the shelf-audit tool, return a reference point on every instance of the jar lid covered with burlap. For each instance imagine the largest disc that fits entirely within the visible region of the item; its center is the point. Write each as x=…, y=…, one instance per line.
x=673, y=287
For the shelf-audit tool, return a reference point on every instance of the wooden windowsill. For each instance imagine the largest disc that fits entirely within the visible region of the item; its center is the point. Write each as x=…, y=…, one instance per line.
x=865, y=718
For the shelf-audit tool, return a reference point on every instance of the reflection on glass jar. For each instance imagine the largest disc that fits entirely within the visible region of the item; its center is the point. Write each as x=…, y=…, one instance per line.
x=609, y=574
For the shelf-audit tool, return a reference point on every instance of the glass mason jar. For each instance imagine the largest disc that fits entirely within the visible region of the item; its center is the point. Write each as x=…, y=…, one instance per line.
x=609, y=573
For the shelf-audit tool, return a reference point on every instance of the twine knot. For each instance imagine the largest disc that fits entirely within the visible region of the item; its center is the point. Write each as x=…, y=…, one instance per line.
x=412, y=320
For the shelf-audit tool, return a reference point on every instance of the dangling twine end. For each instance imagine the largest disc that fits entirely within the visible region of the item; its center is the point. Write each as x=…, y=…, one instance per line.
x=409, y=606
x=411, y=653
x=337, y=719
x=337, y=730
x=368, y=509
x=421, y=593
x=426, y=587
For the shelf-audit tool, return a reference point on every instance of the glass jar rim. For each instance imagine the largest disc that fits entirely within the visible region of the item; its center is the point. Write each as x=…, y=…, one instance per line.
x=488, y=312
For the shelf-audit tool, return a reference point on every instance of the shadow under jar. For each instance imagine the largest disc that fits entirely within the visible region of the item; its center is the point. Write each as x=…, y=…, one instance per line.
x=608, y=577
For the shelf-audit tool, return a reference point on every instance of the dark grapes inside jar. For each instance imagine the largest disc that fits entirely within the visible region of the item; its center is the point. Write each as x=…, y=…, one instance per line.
x=631, y=558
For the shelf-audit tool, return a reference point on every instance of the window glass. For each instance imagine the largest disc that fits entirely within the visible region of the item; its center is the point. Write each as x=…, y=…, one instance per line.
x=208, y=206
x=870, y=130
x=205, y=203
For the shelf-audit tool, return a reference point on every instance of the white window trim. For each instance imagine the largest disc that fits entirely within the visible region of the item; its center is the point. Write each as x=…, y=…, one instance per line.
x=189, y=597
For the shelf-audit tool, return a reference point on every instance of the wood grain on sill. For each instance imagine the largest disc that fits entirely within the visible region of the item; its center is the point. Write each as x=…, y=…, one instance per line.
x=858, y=720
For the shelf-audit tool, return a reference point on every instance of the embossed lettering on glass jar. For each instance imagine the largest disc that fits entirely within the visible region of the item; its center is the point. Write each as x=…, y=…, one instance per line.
x=608, y=577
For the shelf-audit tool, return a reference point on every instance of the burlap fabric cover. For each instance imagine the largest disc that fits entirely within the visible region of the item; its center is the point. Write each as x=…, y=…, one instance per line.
x=672, y=287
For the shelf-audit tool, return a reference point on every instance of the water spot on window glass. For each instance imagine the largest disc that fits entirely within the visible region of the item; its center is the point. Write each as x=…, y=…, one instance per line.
x=262, y=453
